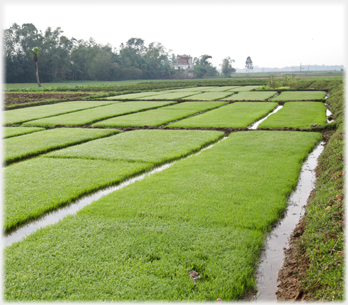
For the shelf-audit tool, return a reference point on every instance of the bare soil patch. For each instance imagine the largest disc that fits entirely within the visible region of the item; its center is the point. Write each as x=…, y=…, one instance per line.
x=16, y=98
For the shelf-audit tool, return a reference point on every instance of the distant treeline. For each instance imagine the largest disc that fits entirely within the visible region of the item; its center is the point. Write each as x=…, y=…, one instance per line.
x=303, y=68
x=62, y=59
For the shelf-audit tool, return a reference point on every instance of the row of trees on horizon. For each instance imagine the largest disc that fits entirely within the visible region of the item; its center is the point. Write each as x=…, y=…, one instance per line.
x=59, y=58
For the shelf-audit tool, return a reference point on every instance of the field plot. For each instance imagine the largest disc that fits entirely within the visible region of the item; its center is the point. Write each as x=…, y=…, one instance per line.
x=208, y=96
x=206, y=213
x=244, y=88
x=47, y=183
x=300, y=96
x=154, y=146
x=236, y=115
x=89, y=116
x=106, y=256
x=297, y=115
x=251, y=96
x=24, y=146
x=159, y=116
x=83, y=168
x=31, y=113
x=17, y=131
x=217, y=89
x=170, y=96
x=196, y=89
x=132, y=96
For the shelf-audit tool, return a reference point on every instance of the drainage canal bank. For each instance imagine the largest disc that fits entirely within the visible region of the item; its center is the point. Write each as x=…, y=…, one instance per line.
x=272, y=256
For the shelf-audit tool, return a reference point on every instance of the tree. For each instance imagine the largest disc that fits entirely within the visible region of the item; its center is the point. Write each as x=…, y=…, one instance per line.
x=35, y=54
x=204, y=60
x=226, y=67
x=249, y=63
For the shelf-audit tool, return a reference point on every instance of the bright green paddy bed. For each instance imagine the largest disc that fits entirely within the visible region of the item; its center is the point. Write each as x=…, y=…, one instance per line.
x=235, y=115
x=244, y=88
x=88, y=116
x=207, y=213
x=38, y=185
x=9, y=132
x=208, y=96
x=159, y=116
x=300, y=96
x=250, y=96
x=154, y=146
x=169, y=96
x=131, y=96
x=17, y=116
x=297, y=115
x=17, y=148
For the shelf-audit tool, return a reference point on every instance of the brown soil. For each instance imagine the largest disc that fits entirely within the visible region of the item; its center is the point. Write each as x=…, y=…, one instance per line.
x=23, y=98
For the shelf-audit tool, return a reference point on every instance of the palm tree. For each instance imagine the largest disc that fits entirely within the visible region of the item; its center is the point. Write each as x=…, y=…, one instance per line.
x=35, y=53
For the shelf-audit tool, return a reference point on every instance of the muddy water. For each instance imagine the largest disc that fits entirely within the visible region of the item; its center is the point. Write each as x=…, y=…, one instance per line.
x=271, y=258
x=57, y=215
x=256, y=124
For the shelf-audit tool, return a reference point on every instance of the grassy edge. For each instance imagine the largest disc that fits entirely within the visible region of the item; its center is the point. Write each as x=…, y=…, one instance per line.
x=322, y=243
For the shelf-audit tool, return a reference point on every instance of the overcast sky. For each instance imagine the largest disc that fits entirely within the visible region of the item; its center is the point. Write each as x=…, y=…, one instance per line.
x=272, y=33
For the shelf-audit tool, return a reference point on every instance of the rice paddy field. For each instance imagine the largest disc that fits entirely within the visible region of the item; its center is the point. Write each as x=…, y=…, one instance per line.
x=300, y=96
x=297, y=115
x=251, y=96
x=89, y=116
x=208, y=211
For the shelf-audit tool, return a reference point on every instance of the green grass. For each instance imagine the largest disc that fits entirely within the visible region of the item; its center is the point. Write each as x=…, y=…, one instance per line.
x=243, y=181
x=154, y=146
x=323, y=241
x=170, y=96
x=236, y=115
x=207, y=213
x=36, y=186
x=300, y=96
x=158, y=117
x=33, y=144
x=244, y=88
x=88, y=116
x=31, y=113
x=222, y=88
x=208, y=96
x=251, y=96
x=9, y=132
x=87, y=258
x=131, y=96
x=297, y=115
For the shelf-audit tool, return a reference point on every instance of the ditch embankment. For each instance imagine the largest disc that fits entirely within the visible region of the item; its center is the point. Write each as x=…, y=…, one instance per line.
x=313, y=268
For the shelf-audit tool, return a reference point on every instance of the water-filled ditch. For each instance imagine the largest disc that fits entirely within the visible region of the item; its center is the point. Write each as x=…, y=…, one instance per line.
x=272, y=256
x=257, y=123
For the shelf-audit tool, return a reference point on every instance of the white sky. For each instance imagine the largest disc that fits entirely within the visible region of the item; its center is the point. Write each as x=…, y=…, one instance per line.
x=272, y=33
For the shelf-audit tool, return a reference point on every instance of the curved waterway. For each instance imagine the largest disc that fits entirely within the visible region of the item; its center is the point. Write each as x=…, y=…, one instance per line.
x=257, y=123
x=57, y=215
x=272, y=257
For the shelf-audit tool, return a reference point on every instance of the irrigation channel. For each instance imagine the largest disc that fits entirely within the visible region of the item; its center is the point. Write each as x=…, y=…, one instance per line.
x=271, y=258
x=256, y=124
